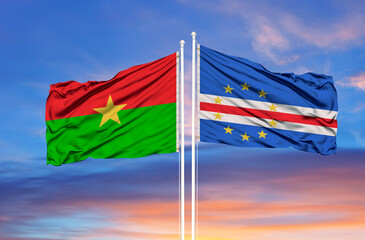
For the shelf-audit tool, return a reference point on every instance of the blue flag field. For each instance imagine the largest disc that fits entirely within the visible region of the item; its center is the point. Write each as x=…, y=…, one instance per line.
x=243, y=104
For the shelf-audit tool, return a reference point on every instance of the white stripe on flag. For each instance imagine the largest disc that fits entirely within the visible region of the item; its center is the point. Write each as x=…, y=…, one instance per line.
x=260, y=122
x=259, y=105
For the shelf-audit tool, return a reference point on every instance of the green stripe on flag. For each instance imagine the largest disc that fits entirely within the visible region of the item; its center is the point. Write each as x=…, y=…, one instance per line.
x=142, y=132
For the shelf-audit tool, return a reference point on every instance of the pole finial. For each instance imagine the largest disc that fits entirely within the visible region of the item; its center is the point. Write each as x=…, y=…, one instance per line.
x=182, y=42
x=193, y=34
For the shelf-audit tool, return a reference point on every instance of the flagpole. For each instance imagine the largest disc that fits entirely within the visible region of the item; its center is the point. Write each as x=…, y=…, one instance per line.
x=193, y=137
x=182, y=177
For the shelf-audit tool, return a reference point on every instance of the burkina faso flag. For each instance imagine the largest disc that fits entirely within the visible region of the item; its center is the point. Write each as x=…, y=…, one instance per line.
x=132, y=115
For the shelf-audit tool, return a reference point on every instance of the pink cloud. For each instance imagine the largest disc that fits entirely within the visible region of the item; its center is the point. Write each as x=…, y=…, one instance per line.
x=275, y=31
x=356, y=81
x=267, y=39
x=348, y=30
x=136, y=220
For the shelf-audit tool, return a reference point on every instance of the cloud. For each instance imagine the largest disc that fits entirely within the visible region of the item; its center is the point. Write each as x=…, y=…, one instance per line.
x=133, y=199
x=266, y=37
x=282, y=34
x=356, y=81
x=267, y=195
x=145, y=219
x=270, y=41
x=241, y=192
x=348, y=30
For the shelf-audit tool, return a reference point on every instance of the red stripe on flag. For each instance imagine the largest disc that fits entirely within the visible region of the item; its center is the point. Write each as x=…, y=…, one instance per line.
x=286, y=117
x=144, y=85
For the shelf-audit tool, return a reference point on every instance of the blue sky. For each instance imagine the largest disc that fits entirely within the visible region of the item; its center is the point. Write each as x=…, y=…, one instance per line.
x=45, y=42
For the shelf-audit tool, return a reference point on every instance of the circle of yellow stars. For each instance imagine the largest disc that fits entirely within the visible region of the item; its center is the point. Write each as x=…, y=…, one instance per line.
x=245, y=87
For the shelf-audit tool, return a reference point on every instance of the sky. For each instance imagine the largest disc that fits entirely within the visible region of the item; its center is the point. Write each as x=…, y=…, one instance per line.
x=250, y=194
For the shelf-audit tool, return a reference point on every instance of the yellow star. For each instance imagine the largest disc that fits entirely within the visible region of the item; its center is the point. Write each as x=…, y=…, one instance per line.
x=245, y=137
x=228, y=89
x=228, y=130
x=110, y=111
x=262, y=93
x=245, y=87
x=218, y=116
x=262, y=134
x=218, y=100
x=273, y=123
x=273, y=108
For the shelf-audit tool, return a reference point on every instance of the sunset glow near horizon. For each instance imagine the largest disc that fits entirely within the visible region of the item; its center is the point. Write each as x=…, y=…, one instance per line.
x=244, y=193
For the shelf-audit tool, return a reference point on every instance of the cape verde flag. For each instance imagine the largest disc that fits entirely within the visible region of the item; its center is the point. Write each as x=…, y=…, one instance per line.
x=243, y=104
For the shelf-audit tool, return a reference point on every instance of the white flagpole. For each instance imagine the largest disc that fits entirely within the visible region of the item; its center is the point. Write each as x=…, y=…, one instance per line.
x=182, y=177
x=193, y=137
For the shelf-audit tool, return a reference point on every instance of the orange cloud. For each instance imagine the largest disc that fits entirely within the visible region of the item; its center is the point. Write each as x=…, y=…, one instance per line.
x=136, y=220
x=318, y=204
x=321, y=204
